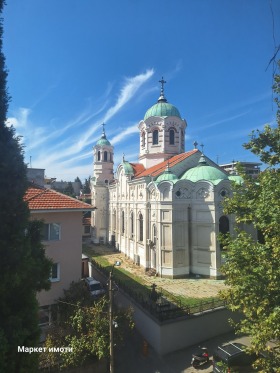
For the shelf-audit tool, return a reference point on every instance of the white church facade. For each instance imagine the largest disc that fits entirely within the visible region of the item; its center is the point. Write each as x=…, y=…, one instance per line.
x=164, y=212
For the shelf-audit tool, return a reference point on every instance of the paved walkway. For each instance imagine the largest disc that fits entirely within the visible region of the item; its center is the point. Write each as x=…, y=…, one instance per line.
x=194, y=287
x=131, y=359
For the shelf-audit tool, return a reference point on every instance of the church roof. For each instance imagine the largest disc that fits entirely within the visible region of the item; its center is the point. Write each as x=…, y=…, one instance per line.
x=167, y=175
x=203, y=171
x=103, y=141
x=161, y=167
x=237, y=179
x=162, y=109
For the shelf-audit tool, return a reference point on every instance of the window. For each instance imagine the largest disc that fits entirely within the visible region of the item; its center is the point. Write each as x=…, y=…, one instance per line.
x=87, y=229
x=155, y=137
x=131, y=224
x=154, y=234
x=98, y=155
x=55, y=272
x=171, y=137
x=122, y=222
x=143, y=140
x=105, y=156
x=51, y=232
x=140, y=227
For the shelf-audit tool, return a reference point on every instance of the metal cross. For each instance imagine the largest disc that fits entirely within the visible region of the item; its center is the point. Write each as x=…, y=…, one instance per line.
x=103, y=124
x=162, y=81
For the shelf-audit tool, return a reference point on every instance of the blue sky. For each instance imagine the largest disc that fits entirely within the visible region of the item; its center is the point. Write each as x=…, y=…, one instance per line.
x=74, y=64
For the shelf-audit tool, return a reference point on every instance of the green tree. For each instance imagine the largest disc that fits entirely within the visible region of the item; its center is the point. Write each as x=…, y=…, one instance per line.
x=84, y=327
x=86, y=186
x=252, y=268
x=24, y=269
x=69, y=190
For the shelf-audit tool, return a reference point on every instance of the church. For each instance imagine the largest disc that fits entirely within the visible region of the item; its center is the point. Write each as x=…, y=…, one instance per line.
x=164, y=212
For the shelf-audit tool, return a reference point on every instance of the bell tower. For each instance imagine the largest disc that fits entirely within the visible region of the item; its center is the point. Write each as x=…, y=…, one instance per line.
x=162, y=132
x=103, y=174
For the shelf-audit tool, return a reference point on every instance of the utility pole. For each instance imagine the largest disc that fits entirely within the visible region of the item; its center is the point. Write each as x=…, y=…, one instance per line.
x=111, y=323
x=111, y=316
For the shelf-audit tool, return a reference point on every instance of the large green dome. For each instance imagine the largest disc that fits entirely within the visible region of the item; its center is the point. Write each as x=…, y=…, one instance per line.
x=162, y=109
x=204, y=172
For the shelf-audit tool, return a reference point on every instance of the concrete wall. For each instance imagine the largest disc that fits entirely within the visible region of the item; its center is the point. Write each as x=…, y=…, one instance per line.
x=177, y=334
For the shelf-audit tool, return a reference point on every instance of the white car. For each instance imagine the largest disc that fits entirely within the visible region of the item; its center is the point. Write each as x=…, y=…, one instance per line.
x=95, y=287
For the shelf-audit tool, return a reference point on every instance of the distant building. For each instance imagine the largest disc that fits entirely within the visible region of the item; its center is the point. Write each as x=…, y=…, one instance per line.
x=250, y=168
x=164, y=212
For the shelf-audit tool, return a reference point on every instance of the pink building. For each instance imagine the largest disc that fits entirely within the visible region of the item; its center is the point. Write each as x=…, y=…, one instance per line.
x=62, y=238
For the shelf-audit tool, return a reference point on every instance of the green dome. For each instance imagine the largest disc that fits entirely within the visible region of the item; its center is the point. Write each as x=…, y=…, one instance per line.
x=128, y=169
x=162, y=109
x=204, y=172
x=237, y=179
x=167, y=176
x=103, y=141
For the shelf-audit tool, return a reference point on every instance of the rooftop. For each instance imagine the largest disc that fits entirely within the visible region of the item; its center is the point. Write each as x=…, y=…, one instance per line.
x=41, y=199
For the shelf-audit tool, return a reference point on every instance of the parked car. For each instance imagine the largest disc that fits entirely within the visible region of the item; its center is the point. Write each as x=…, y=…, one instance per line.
x=95, y=287
x=232, y=356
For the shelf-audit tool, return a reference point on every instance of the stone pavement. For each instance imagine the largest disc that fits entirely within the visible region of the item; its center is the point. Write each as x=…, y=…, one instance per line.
x=191, y=287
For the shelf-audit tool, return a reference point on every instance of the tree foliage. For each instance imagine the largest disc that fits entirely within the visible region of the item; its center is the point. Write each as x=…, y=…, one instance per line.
x=252, y=268
x=23, y=267
x=83, y=326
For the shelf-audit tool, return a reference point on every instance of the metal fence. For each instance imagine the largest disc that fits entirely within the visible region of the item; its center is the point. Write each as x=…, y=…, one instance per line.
x=160, y=303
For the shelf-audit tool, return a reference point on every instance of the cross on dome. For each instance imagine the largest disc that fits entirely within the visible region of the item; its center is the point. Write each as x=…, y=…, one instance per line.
x=162, y=97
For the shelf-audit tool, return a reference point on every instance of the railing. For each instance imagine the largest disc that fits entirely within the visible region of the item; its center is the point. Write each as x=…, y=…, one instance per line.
x=162, y=304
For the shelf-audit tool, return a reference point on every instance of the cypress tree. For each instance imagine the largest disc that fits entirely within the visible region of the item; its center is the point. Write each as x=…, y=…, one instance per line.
x=24, y=270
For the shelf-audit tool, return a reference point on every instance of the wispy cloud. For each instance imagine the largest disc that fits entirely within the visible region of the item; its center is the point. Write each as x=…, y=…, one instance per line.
x=225, y=120
x=124, y=133
x=67, y=148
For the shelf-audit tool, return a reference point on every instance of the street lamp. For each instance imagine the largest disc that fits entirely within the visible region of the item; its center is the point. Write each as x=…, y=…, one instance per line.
x=111, y=322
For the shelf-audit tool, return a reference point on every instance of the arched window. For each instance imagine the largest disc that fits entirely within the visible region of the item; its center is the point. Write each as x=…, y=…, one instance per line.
x=98, y=155
x=105, y=156
x=122, y=222
x=171, y=137
x=223, y=226
x=143, y=140
x=154, y=234
x=141, y=227
x=155, y=137
x=131, y=224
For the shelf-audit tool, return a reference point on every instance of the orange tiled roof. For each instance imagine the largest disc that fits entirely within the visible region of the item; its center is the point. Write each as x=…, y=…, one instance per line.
x=161, y=167
x=39, y=198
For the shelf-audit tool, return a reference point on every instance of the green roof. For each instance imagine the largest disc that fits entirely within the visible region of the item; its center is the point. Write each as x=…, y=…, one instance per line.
x=204, y=172
x=167, y=176
x=103, y=141
x=162, y=109
x=236, y=178
x=128, y=169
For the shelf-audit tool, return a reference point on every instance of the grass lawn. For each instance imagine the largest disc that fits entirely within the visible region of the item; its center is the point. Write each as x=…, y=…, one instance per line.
x=138, y=285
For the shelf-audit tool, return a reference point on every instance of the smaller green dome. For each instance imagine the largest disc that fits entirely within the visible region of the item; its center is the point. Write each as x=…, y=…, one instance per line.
x=128, y=169
x=204, y=172
x=167, y=175
x=237, y=179
x=103, y=141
